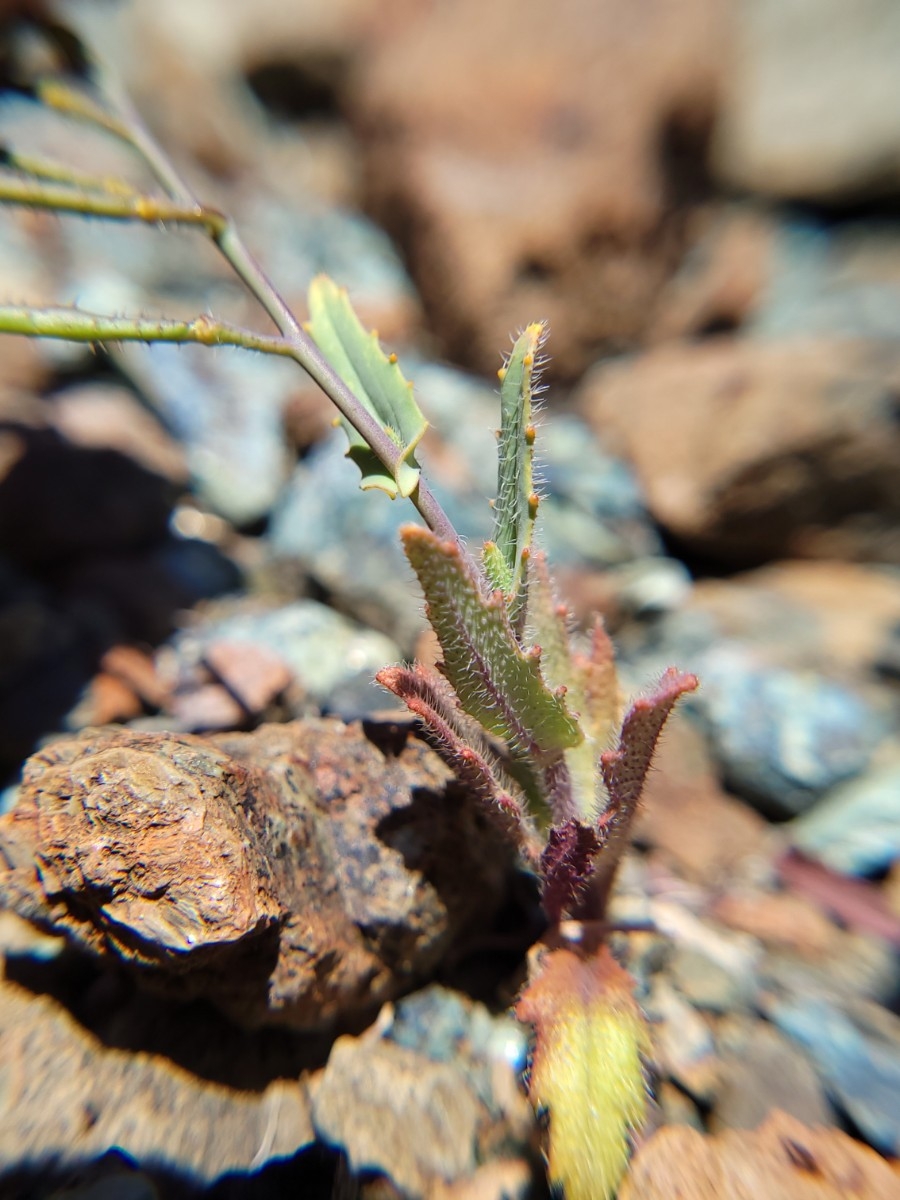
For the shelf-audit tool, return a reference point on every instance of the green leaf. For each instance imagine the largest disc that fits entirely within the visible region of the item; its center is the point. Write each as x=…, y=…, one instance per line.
x=517, y=502
x=497, y=683
x=375, y=380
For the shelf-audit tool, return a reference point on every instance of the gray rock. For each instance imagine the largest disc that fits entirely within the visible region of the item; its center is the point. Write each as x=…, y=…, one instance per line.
x=812, y=102
x=324, y=650
x=855, y=829
x=832, y=279
x=857, y=1055
x=708, y=984
x=783, y=737
x=761, y=1071
x=225, y=408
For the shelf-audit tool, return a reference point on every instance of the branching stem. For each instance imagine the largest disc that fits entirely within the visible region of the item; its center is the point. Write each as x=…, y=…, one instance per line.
x=74, y=325
x=122, y=120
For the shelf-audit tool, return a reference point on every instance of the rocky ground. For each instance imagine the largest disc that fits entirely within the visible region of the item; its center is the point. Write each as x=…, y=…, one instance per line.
x=702, y=199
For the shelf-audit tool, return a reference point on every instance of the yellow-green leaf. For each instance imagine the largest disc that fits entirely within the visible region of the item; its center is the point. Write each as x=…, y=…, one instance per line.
x=587, y=1070
x=377, y=382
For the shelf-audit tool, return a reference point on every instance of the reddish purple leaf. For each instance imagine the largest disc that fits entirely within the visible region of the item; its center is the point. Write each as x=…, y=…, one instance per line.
x=624, y=769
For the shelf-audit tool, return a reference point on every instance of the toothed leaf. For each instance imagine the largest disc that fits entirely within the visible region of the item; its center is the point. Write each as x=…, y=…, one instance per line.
x=587, y=1069
x=516, y=504
x=462, y=748
x=374, y=379
x=496, y=682
x=624, y=769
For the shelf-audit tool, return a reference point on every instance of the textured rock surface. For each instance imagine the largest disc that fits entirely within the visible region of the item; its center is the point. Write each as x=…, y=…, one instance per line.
x=297, y=875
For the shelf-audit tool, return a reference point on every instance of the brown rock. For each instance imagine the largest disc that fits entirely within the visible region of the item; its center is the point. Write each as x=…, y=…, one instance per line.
x=138, y=670
x=106, y=700
x=253, y=674
x=686, y=815
x=394, y=1111
x=753, y=450
x=539, y=174
x=810, y=110
x=721, y=281
x=68, y=1099
x=778, y=919
x=782, y=1160
x=816, y=615
x=765, y=1071
x=297, y=875
x=98, y=416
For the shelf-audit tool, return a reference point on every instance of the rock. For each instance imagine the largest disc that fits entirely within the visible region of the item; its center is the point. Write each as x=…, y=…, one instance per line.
x=782, y=1160
x=708, y=984
x=97, y=415
x=304, y=642
x=68, y=1099
x=832, y=617
x=724, y=279
x=856, y=1050
x=712, y=967
x=253, y=674
x=782, y=738
x=297, y=875
x=855, y=828
x=685, y=814
x=751, y=450
x=829, y=278
x=464, y=1102
x=780, y=920
x=237, y=461
x=760, y=1070
x=810, y=107
x=546, y=176
x=856, y=903
x=683, y=1045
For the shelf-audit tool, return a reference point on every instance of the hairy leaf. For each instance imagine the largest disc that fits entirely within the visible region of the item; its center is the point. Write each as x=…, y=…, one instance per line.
x=376, y=381
x=624, y=769
x=496, y=682
x=587, y=1068
x=462, y=748
x=516, y=505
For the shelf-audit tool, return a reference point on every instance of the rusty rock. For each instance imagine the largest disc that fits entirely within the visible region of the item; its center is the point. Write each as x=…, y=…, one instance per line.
x=298, y=874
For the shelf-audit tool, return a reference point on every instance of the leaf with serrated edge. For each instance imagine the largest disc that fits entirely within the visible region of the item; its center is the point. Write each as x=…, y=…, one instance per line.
x=587, y=1068
x=624, y=769
x=516, y=503
x=374, y=379
x=497, y=683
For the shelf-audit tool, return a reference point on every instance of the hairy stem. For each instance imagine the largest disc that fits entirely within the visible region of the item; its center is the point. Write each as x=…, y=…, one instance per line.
x=125, y=123
x=73, y=325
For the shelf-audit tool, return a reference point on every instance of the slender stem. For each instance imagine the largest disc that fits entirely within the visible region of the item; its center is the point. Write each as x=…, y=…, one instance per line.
x=74, y=325
x=302, y=348
x=47, y=168
x=125, y=123
x=136, y=207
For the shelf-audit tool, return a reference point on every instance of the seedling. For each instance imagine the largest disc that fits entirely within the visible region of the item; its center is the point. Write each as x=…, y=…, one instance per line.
x=528, y=718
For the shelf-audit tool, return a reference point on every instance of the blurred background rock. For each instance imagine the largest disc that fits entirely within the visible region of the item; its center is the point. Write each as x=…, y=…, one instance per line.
x=703, y=199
